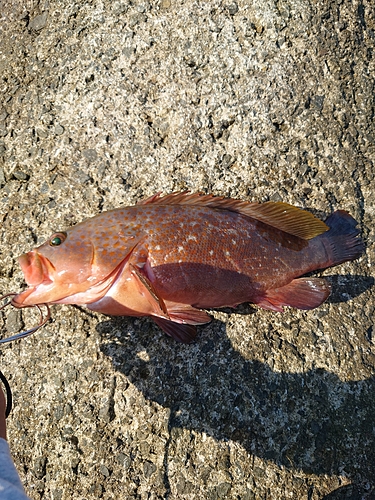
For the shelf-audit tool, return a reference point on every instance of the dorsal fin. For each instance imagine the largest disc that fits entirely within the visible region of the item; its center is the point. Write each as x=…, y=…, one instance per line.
x=287, y=218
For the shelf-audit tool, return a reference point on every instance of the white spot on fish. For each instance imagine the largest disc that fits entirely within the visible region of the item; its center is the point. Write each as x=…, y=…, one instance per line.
x=157, y=247
x=227, y=253
x=234, y=242
x=180, y=249
x=211, y=252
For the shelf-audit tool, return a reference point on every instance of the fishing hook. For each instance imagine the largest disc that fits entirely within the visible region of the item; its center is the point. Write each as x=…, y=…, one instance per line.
x=22, y=335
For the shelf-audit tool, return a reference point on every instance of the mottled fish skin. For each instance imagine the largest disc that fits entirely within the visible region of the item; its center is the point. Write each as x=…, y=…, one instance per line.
x=232, y=254
x=167, y=257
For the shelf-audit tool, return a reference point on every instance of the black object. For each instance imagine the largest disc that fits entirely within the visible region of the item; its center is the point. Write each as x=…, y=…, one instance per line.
x=8, y=393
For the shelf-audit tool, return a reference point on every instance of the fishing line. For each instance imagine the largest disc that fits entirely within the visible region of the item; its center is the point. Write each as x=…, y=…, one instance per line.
x=26, y=333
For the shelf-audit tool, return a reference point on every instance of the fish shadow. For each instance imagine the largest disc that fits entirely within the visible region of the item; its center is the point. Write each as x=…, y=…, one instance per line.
x=310, y=421
x=346, y=287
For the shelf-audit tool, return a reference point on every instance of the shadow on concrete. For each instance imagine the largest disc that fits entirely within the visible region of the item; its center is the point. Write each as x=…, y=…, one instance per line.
x=310, y=421
x=345, y=288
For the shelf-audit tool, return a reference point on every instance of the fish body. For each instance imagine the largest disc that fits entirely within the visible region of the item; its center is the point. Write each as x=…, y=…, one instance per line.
x=169, y=257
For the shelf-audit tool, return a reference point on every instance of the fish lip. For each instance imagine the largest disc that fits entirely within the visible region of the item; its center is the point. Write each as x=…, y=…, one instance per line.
x=37, y=271
x=36, y=268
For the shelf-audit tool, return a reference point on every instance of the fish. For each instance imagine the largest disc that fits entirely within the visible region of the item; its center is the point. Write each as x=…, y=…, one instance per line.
x=171, y=257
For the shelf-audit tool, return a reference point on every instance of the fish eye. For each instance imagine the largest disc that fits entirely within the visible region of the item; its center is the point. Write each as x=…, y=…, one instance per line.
x=57, y=239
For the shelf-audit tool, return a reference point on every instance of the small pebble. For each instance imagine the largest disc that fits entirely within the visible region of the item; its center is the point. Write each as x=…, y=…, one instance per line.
x=38, y=22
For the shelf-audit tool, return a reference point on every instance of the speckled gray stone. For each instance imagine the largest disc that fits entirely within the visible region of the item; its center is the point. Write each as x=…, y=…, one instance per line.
x=38, y=22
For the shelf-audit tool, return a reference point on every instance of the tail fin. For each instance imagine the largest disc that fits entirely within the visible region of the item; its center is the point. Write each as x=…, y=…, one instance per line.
x=341, y=240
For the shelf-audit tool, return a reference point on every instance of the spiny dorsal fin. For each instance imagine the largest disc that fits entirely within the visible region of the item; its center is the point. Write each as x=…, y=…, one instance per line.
x=287, y=218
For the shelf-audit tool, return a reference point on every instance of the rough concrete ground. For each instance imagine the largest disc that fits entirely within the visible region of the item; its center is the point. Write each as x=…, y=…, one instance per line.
x=103, y=103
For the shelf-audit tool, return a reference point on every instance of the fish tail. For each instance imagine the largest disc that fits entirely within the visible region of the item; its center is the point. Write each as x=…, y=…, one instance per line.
x=341, y=241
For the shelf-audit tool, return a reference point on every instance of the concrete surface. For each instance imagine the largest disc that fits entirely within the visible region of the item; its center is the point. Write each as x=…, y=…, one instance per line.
x=103, y=103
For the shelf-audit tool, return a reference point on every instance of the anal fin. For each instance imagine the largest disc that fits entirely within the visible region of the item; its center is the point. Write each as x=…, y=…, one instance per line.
x=301, y=293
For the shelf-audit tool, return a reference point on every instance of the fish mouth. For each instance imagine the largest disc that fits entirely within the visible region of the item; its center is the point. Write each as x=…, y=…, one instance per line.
x=37, y=271
x=36, y=268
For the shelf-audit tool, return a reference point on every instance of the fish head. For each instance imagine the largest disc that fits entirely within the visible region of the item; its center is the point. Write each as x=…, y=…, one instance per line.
x=58, y=268
x=72, y=262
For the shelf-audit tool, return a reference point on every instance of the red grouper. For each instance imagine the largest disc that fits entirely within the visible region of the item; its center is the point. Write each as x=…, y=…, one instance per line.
x=170, y=256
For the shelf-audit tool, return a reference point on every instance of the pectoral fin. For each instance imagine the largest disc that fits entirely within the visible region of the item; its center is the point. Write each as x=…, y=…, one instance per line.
x=184, y=313
x=301, y=293
x=176, y=320
x=147, y=289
